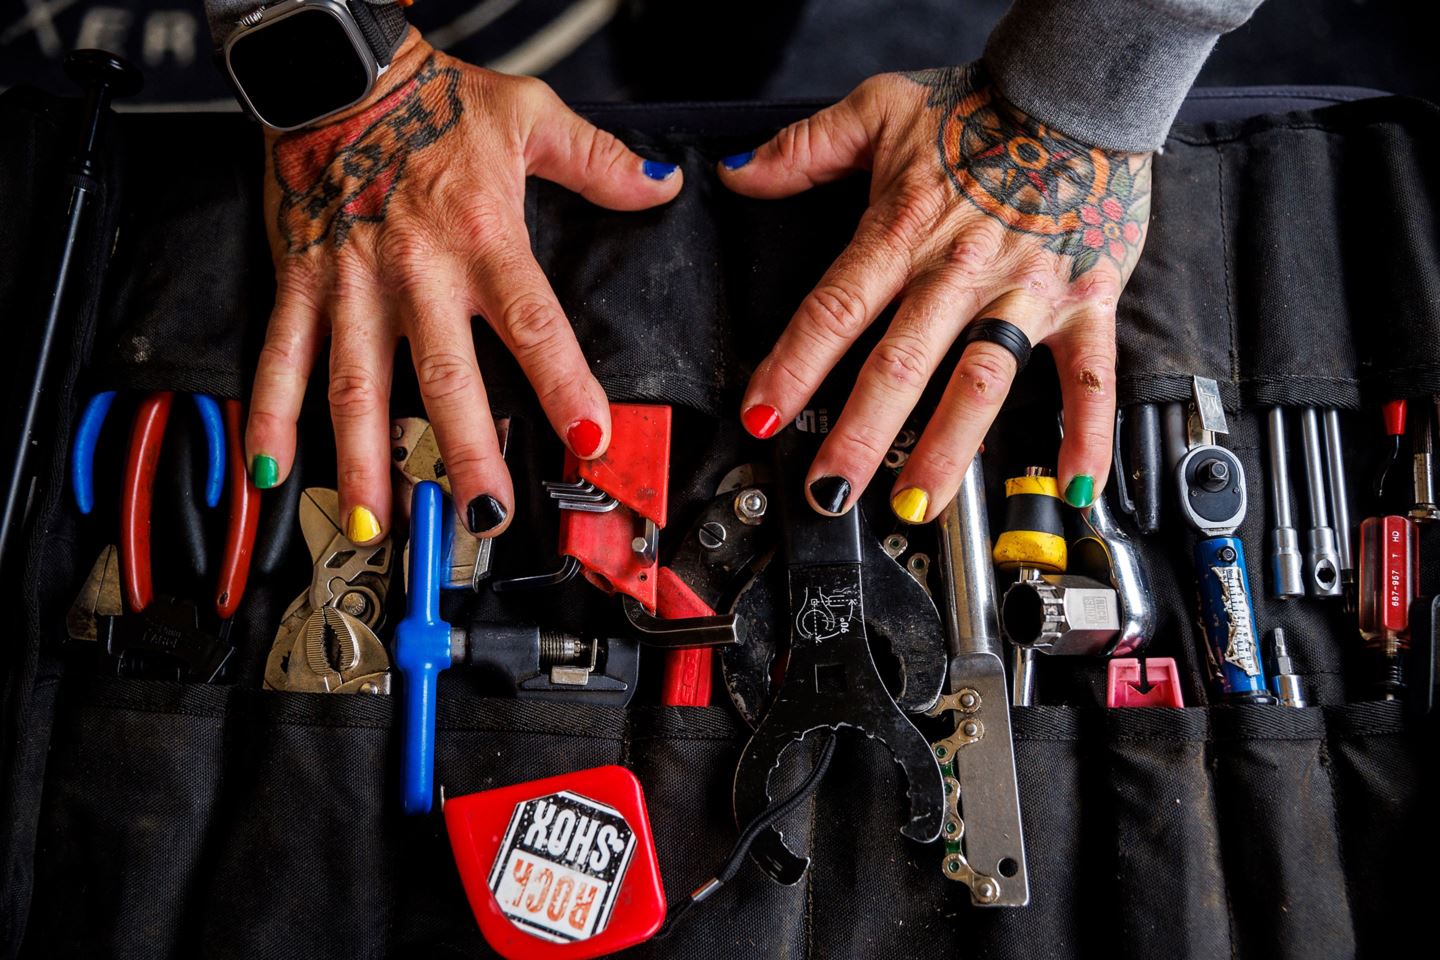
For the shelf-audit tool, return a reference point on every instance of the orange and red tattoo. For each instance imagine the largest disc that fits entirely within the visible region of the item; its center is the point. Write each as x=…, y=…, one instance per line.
x=1086, y=202
x=335, y=176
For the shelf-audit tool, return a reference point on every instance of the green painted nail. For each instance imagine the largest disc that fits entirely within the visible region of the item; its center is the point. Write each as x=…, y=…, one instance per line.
x=264, y=471
x=1081, y=490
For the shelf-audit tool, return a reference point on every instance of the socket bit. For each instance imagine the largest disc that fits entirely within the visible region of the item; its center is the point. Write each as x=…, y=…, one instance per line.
x=1286, y=563
x=1283, y=679
x=1061, y=615
x=1322, y=556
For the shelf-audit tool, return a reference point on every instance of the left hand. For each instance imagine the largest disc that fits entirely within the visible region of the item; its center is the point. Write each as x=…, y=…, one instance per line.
x=976, y=210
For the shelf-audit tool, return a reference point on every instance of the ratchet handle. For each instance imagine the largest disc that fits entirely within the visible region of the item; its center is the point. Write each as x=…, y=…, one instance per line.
x=422, y=648
x=1227, y=619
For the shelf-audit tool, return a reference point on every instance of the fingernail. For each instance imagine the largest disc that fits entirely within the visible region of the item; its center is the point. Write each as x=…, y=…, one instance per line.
x=1081, y=491
x=584, y=437
x=761, y=420
x=737, y=160
x=264, y=471
x=656, y=170
x=830, y=493
x=484, y=513
x=910, y=504
x=362, y=527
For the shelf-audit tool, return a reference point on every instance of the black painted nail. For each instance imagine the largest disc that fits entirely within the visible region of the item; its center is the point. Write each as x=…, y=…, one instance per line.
x=484, y=513
x=830, y=493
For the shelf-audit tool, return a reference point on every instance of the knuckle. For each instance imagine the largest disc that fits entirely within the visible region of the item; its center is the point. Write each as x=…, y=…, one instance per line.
x=836, y=309
x=939, y=461
x=466, y=461
x=794, y=373
x=480, y=221
x=862, y=443
x=984, y=377
x=603, y=152
x=911, y=215
x=974, y=251
x=532, y=91
x=355, y=473
x=531, y=322
x=279, y=358
x=265, y=422
x=354, y=393
x=443, y=375
x=1100, y=287
x=902, y=361
x=796, y=143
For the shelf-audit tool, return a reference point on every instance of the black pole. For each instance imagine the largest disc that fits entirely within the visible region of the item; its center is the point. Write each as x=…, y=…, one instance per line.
x=103, y=76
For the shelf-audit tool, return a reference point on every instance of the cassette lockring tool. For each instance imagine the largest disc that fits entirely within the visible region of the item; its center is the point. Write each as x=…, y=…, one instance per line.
x=1212, y=499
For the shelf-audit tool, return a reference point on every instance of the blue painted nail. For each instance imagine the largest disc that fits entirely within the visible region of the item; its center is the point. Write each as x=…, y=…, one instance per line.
x=656, y=170
x=737, y=160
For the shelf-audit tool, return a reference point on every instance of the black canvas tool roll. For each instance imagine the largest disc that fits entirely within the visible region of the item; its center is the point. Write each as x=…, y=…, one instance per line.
x=1293, y=258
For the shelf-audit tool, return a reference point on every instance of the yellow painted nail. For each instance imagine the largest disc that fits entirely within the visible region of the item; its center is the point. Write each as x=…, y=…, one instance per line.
x=362, y=526
x=910, y=504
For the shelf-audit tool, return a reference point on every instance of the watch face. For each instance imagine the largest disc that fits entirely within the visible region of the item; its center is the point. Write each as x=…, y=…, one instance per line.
x=299, y=68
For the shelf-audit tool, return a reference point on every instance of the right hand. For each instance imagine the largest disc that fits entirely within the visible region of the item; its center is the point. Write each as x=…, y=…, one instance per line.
x=405, y=217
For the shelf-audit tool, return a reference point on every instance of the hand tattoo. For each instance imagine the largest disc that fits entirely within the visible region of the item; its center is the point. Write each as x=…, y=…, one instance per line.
x=1085, y=201
x=335, y=176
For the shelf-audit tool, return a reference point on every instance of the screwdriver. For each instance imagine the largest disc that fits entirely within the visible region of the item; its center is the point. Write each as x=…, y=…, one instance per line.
x=1389, y=582
x=1033, y=543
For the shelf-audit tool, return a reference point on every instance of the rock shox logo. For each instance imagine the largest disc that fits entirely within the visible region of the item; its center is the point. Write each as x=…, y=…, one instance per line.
x=560, y=866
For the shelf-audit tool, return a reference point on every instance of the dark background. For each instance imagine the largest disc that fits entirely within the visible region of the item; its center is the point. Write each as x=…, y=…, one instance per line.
x=593, y=50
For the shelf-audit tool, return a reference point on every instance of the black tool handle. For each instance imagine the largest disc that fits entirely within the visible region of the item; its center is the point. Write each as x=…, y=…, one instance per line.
x=104, y=76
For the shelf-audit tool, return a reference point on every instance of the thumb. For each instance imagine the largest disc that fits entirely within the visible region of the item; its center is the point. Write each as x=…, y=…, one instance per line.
x=826, y=146
x=567, y=149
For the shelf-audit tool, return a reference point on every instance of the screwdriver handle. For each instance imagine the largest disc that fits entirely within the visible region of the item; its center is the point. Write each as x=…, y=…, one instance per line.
x=422, y=647
x=1389, y=583
x=1227, y=619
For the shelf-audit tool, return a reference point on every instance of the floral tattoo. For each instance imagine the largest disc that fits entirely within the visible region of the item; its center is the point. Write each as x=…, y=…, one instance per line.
x=1086, y=202
x=335, y=176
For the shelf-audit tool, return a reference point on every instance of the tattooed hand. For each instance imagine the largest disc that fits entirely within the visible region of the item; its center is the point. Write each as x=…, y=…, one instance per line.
x=976, y=210
x=404, y=218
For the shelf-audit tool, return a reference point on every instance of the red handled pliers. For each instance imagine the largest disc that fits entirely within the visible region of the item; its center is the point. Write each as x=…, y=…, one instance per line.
x=222, y=425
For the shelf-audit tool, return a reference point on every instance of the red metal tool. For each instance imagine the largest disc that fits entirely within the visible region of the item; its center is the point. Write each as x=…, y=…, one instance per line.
x=616, y=547
x=1389, y=582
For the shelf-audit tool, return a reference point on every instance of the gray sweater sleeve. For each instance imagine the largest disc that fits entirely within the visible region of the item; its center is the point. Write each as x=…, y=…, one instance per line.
x=1111, y=73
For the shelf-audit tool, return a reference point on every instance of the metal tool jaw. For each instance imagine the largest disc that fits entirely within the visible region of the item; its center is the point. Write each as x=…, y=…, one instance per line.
x=327, y=642
x=831, y=681
x=415, y=453
x=164, y=642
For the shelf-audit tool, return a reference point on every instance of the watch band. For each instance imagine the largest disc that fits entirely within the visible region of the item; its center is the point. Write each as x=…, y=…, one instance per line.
x=382, y=22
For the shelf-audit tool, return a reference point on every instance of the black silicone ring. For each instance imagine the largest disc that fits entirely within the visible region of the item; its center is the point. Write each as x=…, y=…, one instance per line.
x=1002, y=332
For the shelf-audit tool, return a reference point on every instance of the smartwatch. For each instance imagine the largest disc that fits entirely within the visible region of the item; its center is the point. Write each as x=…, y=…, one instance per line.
x=297, y=61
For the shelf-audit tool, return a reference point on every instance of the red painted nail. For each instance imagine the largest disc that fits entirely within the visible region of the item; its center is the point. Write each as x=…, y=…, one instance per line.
x=584, y=437
x=761, y=420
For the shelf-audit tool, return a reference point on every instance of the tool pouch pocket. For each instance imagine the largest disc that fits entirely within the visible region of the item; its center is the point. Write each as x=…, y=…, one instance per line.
x=154, y=819
x=1291, y=258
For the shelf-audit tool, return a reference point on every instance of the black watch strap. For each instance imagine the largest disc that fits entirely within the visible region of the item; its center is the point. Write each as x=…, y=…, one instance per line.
x=382, y=24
